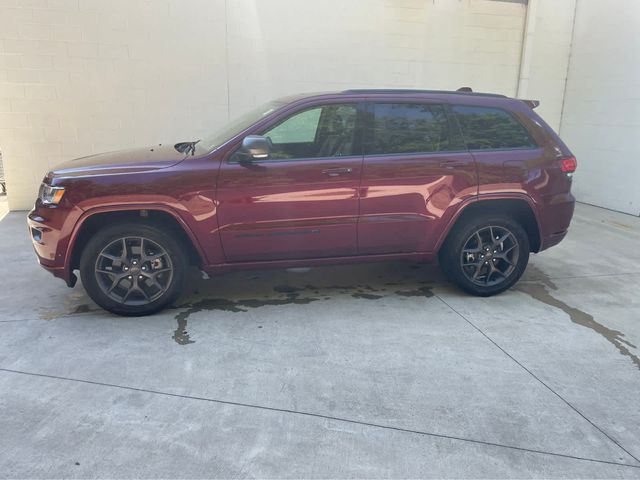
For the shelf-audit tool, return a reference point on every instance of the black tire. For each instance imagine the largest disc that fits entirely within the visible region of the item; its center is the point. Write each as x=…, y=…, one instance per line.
x=453, y=259
x=173, y=256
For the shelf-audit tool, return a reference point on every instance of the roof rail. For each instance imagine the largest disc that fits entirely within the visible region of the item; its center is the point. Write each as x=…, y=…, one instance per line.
x=461, y=91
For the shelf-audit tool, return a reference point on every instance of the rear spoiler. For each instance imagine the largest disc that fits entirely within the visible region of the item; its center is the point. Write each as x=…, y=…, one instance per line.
x=532, y=103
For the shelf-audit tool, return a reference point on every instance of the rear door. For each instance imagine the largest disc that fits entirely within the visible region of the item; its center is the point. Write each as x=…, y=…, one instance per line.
x=302, y=202
x=416, y=172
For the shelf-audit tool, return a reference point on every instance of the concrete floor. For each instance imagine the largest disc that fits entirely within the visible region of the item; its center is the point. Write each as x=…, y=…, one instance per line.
x=380, y=370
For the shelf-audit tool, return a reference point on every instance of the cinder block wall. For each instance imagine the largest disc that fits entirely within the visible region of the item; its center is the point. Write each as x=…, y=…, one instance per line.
x=83, y=76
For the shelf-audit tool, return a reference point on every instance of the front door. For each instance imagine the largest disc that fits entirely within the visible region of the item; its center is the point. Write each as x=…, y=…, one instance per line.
x=416, y=171
x=302, y=202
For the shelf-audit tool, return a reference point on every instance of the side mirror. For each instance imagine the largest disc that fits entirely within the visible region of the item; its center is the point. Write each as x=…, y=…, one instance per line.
x=255, y=147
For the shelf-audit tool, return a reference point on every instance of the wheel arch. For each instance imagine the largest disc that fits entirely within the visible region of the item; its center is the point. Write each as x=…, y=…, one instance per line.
x=94, y=220
x=520, y=208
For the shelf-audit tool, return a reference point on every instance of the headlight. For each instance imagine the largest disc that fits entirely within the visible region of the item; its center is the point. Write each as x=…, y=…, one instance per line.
x=50, y=195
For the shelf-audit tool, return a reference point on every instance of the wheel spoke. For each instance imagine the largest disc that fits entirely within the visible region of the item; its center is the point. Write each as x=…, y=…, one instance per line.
x=115, y=283
x=504, y=252
x=478, y=270
x=107, y=272
x=126, y=295
x=501, y=240
x=141, y=290
x=502, y=256
x=492, y=270
x=505, y=259
x=138, y=249
x=154, y=257
x=152, y=278
x=162, y=270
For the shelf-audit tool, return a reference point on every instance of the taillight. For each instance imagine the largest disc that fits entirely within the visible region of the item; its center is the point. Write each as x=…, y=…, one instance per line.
x=568, y=165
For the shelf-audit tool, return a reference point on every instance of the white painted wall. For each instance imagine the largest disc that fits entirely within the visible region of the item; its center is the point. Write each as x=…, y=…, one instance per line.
x=601, y=119
x=277, y=47
x=84, y=76
x=545, y=59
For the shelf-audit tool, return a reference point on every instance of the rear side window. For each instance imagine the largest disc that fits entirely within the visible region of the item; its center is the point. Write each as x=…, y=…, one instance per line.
x=409, y=128
x=486, y=128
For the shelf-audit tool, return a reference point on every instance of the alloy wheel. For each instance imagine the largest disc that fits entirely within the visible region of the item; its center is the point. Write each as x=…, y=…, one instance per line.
x=490, y=255
x=134, y=270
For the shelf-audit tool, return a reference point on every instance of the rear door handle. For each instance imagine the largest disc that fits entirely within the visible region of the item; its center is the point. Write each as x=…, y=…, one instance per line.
x=336, y=172
x=452, y=164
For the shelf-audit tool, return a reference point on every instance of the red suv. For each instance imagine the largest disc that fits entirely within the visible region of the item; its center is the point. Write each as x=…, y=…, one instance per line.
x=477, y=180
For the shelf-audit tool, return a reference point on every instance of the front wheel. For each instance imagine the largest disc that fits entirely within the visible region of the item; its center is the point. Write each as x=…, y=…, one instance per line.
x=133, y=269
x=485, y=255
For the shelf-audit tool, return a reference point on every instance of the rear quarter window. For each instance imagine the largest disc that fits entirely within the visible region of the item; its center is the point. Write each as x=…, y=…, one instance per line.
x=486, y=128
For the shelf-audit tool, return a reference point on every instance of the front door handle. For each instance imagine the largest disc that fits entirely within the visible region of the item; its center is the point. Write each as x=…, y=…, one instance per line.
x=452, y=164
x=336, y=172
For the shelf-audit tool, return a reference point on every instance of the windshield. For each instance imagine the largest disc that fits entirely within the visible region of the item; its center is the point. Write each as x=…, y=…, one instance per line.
x=239, y=124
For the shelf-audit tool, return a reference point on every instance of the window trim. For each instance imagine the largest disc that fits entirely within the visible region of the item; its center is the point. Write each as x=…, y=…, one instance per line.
x=358, y=143
x=535, y=146
x=368, y=137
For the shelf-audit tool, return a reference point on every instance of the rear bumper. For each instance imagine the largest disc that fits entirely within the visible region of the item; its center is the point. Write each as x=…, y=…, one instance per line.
x=554, y=216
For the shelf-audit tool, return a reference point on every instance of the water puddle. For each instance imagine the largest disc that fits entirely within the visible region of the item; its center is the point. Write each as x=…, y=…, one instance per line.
x=418, y=292
x=180, y=334
x=366, y=296
x=540, y=292
x=290, y=295
x=55, y=314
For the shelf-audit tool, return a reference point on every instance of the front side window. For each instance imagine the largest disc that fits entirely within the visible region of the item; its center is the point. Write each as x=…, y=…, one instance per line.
x=409, y=128
x=486, y=128
x=324, y=131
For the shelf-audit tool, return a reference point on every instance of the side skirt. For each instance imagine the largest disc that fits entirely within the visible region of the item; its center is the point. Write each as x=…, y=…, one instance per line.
x=317, y=262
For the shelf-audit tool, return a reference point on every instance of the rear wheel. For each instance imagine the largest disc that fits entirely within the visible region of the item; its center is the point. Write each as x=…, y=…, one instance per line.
x=133, y=269
x=485, y=255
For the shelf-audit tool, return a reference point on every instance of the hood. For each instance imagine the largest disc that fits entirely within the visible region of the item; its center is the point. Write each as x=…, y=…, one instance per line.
x=122, y=161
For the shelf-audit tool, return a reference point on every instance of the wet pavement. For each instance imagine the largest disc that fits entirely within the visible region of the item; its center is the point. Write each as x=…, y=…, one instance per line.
x=380, y=370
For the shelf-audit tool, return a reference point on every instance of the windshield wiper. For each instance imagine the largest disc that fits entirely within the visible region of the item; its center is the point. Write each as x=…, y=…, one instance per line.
x=186, y=147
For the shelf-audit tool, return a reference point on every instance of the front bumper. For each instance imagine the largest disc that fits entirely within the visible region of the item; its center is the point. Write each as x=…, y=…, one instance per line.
x=50, y=230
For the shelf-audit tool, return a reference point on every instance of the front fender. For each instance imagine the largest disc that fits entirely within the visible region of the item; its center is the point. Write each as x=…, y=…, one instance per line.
x=185, y=224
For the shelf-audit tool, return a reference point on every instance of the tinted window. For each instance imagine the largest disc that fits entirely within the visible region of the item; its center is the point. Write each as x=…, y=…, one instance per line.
x=409, y=128
x=300, y=128
x=488, y=128
x=326, y=131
